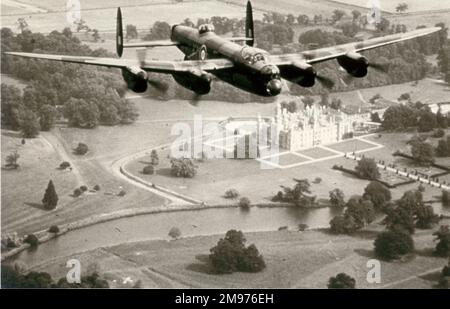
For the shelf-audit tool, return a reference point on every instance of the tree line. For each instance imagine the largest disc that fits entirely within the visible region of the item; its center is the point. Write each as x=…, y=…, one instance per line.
x=85, y=96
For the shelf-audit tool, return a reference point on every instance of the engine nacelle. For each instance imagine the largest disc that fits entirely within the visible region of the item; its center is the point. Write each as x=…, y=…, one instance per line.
x=300, y=73
x=355, y=64
x=136, y=79
x=197, y=81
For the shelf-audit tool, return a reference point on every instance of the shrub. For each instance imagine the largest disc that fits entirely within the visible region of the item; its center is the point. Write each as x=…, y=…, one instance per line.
x=302, y=227
x=439, y=133
x=337, y=198
x=77, y=192
x=367, y=169
x=32, y=240
x=244, y=202
x=81, y=149
x=64, y=165
x=175, y=233
x=148, y=170
x=97, y=187
x=341, y=281
x=83, y=188
x=122, y=193
x=54, y=229
x=343, y=224
x=391, y=245
x=443, y=237
x=231, y=194
x=378, y=194
x=183, y=167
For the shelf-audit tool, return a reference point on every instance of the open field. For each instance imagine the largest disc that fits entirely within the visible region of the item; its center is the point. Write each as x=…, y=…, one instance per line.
x=428, y=91
x=294, y=260
x=103, y=17
x=413, y=5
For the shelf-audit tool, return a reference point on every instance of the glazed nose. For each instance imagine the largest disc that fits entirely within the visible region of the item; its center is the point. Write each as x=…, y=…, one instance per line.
x=274, y=87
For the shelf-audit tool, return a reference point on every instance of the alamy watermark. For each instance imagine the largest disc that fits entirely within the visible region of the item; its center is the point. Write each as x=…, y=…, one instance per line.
x=231, y=139
x=374, y=14
x=73, y=11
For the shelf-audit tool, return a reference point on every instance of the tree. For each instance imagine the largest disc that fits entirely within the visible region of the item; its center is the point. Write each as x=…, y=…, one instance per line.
x=391, y=245
x=81, y=149
x=299, y=195
x=29, y=124
x=175, y=233
x=422, y=153
x=362, y=211
x=356, y=15
x=131, y=32
x=244, y=202
x=47, y=117
x=50, y=199
x=426, y=218
x=11, y=160
x=377, y=193
x=290, y=19
x=231, y=194
x=375, y=117
x=54, y=229
x=230, y=255
x=400, y=219
x=337, y=198
x=399, y=117
x=154, y=157
x=441, y=120
x=343, y=224
x=443, y=237
x=32, y=240
x=446, y=198
x=159, y=31
x=367, y=169
x=148, y=170
x=427, y=121
x=337, y=15
x=443, y=147
x=22, y=24
x=183, y=167
x=95, y=35
x=303, y=19
x=401, y=7
x=11, y=105
x=341, y=281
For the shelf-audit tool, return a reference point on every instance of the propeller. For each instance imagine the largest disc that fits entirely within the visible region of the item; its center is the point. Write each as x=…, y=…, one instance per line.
x=381, y=67
x=325, y=81
x=195, y=99
x=157, y=84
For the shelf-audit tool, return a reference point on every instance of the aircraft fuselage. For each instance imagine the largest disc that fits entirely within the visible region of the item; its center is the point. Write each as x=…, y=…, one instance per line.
x=251, y=72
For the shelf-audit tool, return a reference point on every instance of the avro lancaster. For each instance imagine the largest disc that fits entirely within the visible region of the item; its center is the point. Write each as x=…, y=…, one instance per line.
x=233, y=60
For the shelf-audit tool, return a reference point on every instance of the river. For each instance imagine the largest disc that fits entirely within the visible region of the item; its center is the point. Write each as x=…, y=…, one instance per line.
x=190, y=223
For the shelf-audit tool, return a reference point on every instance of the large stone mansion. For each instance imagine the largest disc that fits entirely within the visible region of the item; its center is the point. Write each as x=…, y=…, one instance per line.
x=314, y=125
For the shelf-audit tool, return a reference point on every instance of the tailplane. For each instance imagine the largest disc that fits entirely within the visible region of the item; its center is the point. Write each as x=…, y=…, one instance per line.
x=249, y=30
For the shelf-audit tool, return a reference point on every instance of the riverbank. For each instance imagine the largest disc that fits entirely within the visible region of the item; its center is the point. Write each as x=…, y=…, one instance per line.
x=294, y=260
x=44, y=236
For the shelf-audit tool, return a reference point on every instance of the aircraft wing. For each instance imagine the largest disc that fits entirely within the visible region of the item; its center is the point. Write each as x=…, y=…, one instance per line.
x=328, y=53
x=151, y=66
x=160, y=43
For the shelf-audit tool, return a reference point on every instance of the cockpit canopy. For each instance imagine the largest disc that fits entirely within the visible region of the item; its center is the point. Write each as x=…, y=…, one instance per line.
x=253, y=55
x=205, y=28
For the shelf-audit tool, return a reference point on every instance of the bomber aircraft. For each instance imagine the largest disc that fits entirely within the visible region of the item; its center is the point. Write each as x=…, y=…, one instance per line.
x=232, y=60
